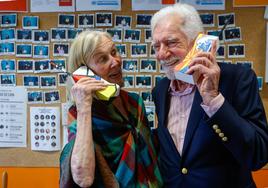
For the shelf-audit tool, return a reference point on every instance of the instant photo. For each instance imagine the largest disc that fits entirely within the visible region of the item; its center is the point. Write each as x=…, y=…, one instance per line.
x=61, y=49
x=132, y=35
x=207, y=19
x=62, y=78
x=48, y=82
x=143, y=81
x=8, y=79
x=260, y=82
x=148, y=35
x=85, y=20
x=8, y=20
x=123, y=21
x=40, y=51
x=35, y=97
x=24, y=35
x=157, y=78
x=138, y=50
x=220, y=52
x=25, y=66
x=23, y=50
x=30, y=81
x=143, y=20
x=41, y=36
x=58, y=34
x=224, y=18
x=216, y=33
x=128, y=81
x=130, y=65
x=232, y=34
x=150, y=113
x=57, y=65
x=116, y=34
x=121, y=48
x=72, y=33
x=66, y=20
x=146, y=96
x=8, y=65
x=52, y=96
x=30, y=22
x=152, y=51
x=41, y=66
x=7, y=35
x=147, y=65
x=103, y=19
x=236, y=51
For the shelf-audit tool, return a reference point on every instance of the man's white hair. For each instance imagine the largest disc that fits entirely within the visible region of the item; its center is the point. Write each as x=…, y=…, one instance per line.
x=191, y=23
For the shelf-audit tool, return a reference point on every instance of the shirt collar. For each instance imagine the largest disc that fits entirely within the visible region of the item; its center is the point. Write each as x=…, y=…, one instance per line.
x=180, y=88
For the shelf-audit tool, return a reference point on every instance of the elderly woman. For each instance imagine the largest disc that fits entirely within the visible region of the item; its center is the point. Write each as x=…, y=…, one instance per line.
x=109, y=142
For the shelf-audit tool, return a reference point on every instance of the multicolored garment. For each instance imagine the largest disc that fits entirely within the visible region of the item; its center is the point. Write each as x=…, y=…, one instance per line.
x=122, y=140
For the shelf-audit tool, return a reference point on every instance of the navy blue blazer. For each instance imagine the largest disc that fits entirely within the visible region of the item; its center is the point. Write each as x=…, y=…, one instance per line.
x=220, y=151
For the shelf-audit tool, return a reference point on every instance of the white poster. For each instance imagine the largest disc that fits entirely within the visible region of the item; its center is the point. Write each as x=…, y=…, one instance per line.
x=147, y=4
x=52, y=5
x=13, y=124
x=45, y=128
x=206, y=4
x=83, y=5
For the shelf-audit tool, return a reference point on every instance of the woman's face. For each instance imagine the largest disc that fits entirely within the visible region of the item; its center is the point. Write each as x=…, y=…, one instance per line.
x=106, y=62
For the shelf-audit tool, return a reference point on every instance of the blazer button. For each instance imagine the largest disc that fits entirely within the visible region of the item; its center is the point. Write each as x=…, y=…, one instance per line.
x=215, y=126
x=218, y=131
x=184, y=170
x=221, y=135
x=224, y=139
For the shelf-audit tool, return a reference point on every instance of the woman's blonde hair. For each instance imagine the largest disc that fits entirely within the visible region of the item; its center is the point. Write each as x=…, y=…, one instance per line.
x=83, y=47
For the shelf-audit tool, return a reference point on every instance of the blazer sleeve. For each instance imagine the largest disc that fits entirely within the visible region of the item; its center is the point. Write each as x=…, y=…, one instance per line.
x=243, y=122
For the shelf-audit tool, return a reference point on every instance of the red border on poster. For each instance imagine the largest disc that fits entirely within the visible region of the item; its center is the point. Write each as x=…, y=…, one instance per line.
x=168, y=2
x=65, y=2
x=13, y=5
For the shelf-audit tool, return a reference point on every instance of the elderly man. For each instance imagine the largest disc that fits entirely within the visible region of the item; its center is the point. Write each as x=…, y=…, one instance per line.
x=213, y=133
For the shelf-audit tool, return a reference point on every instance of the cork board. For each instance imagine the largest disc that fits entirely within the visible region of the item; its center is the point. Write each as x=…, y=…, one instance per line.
x=253, y=29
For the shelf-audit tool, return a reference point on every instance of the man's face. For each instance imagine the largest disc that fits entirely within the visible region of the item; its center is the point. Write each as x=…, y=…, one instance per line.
x=170, y=43
x=106, y=62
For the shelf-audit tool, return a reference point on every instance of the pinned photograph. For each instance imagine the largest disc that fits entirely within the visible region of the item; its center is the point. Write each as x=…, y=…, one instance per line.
x=138, y=50
x=161, y=70
x=146, y=96
x=7, y=35
x=25, y=66
x=152, y=51
x=41, y=66
x=143, y=20
x=30, y=22
x=58, y=65
x=30, y=81
x=24, y=35
x=58, y=34
x=48, y=82
x=40, y=51
x=85, y=20
x=41, y=36
x=8, y=79
x=62, y=78
x=72, y=33
x=121, y=48
x=232, y=34
x=147, y=65
x=148, y=35
x=23, y=50
x=224, y=18
x=66, y=20
x=8, y=65
x=236, y=51
x=143, y=81
x=132, y=35
x=224, y=61
x=248, y=64
x=104, y=19
x=260, y=82
x=216, y=33
x=207, y=19
x=116, y=34
x=35, y=97
x=150, y=113
x=8, y=20
x=130, y=65
x=128, y=81
x=52, y=96
x=123, y=21
x=220, y=54
x=60, y=49
x=157, y=78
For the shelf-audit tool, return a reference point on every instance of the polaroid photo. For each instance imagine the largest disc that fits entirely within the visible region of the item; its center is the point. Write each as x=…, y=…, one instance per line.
x=148, y=35
x=41, y=66
x=143, y=20
x=147, y=65
x=116, y=34
x=58, y=65
x=160, y=68
x=30, y=22
x=8, y=65
x=220, y=54
x=8, y=79
x=62, y=78
x=25, y=66
x=7, y=35
x=152, y=51
x=85, y=20
x=207, y=19
x=104, y=19
x=121, y=48
x=223, y=18
x=216, y=33
x=58, y=34
x=8, y=20
x=72, y=33
x=123, y=21
x=128, y=81
x=66, y=20
x=24, y=35
x=224, y=61
x=52, y=96
x=232, y=34
x=48, y=82
x=146, y=96
x=30, y=81
x=41, y=51
x=23, y=50
x=130, y=65
x=236, y=50
x=132, y=35
x=150, y=113
x=138, y=50
x=35, y=97
x=143, y=81
x=40, y=36
x=157, y=78
x=248, y=64
x=60, y=49
x=260, y=82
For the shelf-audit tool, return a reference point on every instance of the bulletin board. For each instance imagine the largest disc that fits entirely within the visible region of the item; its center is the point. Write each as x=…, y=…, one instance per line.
x=253, y=29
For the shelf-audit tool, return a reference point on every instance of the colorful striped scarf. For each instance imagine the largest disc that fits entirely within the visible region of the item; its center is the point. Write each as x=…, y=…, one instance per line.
x=123, y=140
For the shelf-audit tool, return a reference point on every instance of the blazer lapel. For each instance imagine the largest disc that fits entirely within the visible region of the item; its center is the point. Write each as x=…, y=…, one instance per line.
x=164, y=103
